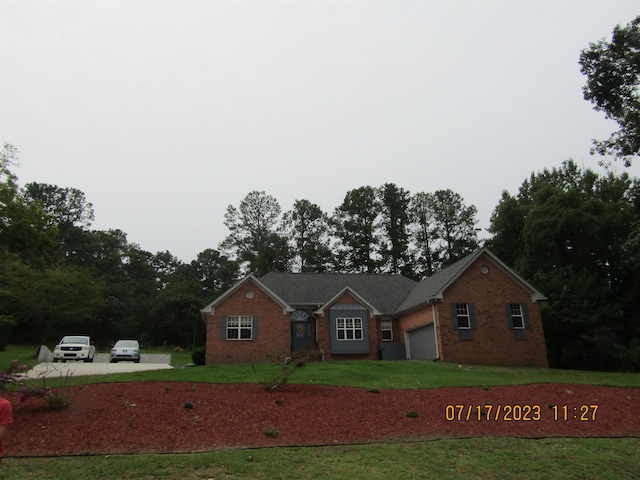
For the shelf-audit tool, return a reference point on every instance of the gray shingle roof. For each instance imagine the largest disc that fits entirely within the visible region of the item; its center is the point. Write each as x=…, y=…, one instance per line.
x=433, y=286
x=384, y=292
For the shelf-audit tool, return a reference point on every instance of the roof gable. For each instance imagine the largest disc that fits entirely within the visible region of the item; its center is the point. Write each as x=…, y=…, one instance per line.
x=210, y=308
x=432, y=288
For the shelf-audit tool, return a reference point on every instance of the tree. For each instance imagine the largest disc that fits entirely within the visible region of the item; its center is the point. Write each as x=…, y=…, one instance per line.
x=572, y=233
x=425, y=235
x=307, y=226
x=24, y=228
x=255, y=238
x=613, y=86
x=43, y=303
x=212, y=271
x=395, y=220
x=455, y=222
x=356, y=224
x=66, y=209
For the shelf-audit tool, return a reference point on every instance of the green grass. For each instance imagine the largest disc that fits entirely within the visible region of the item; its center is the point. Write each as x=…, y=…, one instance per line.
x=25, y=354
x=374, y=375
x=485, y=458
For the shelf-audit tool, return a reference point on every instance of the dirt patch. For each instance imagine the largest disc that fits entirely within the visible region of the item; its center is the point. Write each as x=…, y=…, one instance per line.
x=188, y=417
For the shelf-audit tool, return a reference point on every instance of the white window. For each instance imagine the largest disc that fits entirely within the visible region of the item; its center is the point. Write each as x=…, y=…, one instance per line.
x=387, y=330
x=349, y=328
x=517, y=318
x=462, y=314
x=239, y=328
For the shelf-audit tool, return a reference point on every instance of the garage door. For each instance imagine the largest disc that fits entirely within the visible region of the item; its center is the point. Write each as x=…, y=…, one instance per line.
x=422, y=343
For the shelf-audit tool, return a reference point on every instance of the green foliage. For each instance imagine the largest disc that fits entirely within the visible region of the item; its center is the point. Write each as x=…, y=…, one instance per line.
x=307, y=227
x=255, y=234
x=271, y=432
x=355, y=224
x=198, y=355
x=412, y=414
x=612, y=69
x=571, y=233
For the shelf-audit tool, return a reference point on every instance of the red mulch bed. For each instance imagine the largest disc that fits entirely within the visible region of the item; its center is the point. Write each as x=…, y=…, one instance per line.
x=115, y=418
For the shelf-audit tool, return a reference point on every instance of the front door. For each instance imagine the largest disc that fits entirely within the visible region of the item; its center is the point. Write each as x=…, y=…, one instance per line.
x=301, y=338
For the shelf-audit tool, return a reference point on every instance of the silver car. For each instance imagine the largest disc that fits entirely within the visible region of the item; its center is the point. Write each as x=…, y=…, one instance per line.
x=125, y=350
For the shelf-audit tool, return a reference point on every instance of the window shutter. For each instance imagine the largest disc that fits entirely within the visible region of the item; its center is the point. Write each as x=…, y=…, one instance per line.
x=454, y=315
x=509, y=317
x=472, y=317
x=255, y=328
x=224, y=328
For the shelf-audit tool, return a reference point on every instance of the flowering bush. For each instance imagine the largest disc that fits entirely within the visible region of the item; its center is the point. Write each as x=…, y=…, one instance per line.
x=14, y=378
x=12, y=375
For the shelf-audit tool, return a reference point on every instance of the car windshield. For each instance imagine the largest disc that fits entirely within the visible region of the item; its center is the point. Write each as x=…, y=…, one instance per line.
x=126, y=343
x=82, y=340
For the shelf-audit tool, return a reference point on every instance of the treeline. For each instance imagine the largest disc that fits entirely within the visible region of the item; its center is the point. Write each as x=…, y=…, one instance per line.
x=571, y=232
x=57, y=275
x=374, y=230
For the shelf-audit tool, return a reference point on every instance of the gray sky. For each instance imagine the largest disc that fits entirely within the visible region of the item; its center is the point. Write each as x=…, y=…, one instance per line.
x=164, y=113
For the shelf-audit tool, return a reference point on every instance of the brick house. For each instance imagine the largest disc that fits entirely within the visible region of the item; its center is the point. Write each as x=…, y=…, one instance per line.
x=477, y=311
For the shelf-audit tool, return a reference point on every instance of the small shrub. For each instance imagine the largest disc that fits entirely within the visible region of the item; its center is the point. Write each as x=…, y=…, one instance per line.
x=373, y=390
x=57, y=399
x=412, y=414
x=198, y=355
x=188, y=405
x=167, y=388
x=270, y=432
x=290, y=365
x=278, y=402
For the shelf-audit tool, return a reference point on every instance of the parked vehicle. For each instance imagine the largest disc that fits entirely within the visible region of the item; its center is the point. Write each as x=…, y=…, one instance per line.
x=125, y=350
x=74, y=347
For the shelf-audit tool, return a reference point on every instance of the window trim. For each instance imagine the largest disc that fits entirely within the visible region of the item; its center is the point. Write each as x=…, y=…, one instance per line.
x=345, y=329
x=240, y=327
x=466, y=315
x=517, y=315
x=386, y=326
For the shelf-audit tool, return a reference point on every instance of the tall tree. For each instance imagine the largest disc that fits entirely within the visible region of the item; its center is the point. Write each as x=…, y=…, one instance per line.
x=307, y=227
x=24, y=228
x=255, y=239
x=456, y=223
x=576, y=233
x=213, y=272
x=613, y=86
x=356, y=225
x=395, y=220
x=425, y=235
x=66, y=209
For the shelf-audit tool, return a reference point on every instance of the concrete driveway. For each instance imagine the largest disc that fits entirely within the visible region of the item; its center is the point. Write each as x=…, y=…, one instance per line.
x=100, y=366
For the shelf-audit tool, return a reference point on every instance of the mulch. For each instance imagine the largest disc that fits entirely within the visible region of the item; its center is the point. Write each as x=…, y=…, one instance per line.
x=157, y=417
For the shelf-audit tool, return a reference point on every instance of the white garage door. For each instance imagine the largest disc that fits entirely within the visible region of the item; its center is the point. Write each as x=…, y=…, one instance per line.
x=422, y=343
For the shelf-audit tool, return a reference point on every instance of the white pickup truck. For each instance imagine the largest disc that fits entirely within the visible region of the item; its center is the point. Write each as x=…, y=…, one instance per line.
x=74, y=347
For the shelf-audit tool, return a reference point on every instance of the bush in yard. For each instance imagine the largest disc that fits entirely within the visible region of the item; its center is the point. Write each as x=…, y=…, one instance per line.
x=290, y=365
x=198, y=355
x=13, y=378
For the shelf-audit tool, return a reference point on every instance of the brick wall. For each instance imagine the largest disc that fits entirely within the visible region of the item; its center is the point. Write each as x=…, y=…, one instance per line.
x=273, y=336
x=492, y=343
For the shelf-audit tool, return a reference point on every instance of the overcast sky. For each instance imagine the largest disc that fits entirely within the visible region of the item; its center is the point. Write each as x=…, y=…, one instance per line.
x=164, y=113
